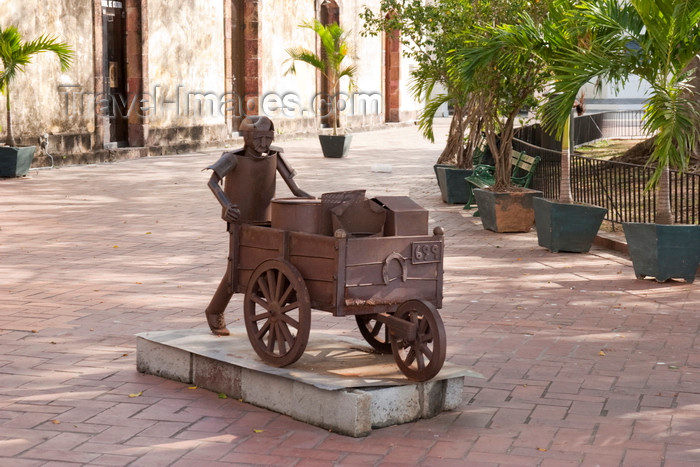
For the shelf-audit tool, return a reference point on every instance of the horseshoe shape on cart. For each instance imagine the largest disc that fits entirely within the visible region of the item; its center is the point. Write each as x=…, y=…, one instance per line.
x=385, y=267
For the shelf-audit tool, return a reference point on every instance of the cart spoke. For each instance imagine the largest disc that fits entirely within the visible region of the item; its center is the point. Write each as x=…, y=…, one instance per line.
x=263, y=330
x=410, y=357
x=427, y=351
x=283, y=297
x=376, y=329
x=273, y=280
x=271, y=339
x=289, y=307
x=262, y=285
x=288, y=337
x=420, y=361
x=424, y=331
x=260, y=301
x=289, y=320
x=264, y=315
x=281, y=338
x=280, y=283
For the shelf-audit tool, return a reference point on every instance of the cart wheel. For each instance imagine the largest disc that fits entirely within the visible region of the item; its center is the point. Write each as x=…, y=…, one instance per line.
x=279, y=331
x=421, y=357
x=375, y=332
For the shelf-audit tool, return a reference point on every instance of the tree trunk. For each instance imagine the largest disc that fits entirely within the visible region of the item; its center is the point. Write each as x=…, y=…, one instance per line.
x=565, y=176
x=10, y=137
x=454, y=147
x=503, y=150
x=696, y=85
x=470, y=145
x=662, y=214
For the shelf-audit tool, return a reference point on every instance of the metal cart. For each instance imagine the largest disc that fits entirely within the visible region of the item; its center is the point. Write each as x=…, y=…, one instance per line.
x=391, y=283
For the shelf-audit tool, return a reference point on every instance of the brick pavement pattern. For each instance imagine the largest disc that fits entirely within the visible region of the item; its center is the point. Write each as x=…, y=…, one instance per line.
x=584, y=364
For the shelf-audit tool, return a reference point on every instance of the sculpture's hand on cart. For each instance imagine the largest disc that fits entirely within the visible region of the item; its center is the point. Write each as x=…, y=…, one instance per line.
x=232, y=213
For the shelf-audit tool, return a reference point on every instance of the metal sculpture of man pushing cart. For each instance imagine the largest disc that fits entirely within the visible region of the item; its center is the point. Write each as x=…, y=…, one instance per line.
x=343, y=254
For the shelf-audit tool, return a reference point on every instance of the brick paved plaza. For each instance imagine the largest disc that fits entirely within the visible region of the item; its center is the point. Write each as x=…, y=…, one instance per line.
x=583, y=363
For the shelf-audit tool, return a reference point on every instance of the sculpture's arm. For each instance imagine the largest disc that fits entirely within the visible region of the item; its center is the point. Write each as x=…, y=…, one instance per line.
x=288, y=174
x=221, y=168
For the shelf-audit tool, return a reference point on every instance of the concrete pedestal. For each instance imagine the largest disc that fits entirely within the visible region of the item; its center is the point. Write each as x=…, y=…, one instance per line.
x=338, y=384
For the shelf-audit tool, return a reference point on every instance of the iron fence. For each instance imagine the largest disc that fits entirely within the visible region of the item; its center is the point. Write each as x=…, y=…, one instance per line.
x=605, y=125
x=617, y=186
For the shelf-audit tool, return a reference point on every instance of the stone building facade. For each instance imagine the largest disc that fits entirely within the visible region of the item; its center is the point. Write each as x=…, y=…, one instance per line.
x=153, y=76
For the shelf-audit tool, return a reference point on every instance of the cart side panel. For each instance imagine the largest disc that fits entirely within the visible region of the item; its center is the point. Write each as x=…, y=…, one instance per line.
x=391, y=270
x=257, y=244
x=317, y=259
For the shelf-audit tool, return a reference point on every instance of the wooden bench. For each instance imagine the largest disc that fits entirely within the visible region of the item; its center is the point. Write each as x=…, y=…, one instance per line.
x=522, y=172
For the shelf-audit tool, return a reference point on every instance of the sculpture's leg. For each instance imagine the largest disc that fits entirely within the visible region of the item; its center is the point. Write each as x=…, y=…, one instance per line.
x=218, y=304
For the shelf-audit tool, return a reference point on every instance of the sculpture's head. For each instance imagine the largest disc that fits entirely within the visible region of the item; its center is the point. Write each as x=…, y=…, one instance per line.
x=258, y=134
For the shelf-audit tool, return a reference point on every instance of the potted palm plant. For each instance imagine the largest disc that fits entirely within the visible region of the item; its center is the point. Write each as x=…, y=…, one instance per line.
x=15, y=54
x=427, y=31
x=655, y=41
x=502, y=80
x=334, y=50
x=562, y=224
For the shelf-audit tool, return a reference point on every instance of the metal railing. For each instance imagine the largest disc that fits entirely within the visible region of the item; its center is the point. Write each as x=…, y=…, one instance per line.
x=617, y=186
x=604, y=125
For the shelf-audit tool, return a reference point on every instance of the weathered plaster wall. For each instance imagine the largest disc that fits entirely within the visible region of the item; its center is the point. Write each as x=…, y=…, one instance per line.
x=290, y=99
x=186, y=62
x=409, y=106
x=186, y=68
x=287, y=97
x=38, y=105
x=367, y=53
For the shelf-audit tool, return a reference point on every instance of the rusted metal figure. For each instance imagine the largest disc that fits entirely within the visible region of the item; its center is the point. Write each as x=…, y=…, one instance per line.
x=248, y=176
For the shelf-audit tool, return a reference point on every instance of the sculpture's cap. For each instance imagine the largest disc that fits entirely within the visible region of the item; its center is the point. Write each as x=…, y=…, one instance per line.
x=257, y=124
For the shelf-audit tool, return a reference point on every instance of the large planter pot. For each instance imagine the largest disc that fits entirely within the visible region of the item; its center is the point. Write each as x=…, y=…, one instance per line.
x=506, y=211
x=565, y=226
x=453, y=188
x=15, y=162
x=663, y=251
x=335, y=146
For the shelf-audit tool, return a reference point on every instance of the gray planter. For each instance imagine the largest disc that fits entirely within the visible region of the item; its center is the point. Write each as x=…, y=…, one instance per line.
x=15, y=162
x=663, y=251
x=506, y=211
x=566, y=227
x=335, y=146
x=453, y=188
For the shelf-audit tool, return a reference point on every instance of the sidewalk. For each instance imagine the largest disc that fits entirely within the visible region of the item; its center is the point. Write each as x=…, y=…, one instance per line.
x=583, y=363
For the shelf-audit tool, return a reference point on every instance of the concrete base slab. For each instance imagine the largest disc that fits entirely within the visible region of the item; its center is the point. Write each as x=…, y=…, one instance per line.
x=339, y=383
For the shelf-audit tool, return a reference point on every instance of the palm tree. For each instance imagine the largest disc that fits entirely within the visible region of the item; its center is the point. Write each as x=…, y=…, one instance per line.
x=502, y=78
x=655, y=41
x=334, y=49
x=535, y=44
x=16, y=54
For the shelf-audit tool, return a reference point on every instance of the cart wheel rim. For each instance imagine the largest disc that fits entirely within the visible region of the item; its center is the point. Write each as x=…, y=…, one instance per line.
x=375, y=332
x=421, y=357
x=277, y=312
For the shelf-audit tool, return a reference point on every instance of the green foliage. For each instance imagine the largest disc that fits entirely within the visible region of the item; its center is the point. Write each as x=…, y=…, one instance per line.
x=335, y=49
x=592, y=40
x=493, y=64
x=16, y=54
x=428, y=32
x=655, y=41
